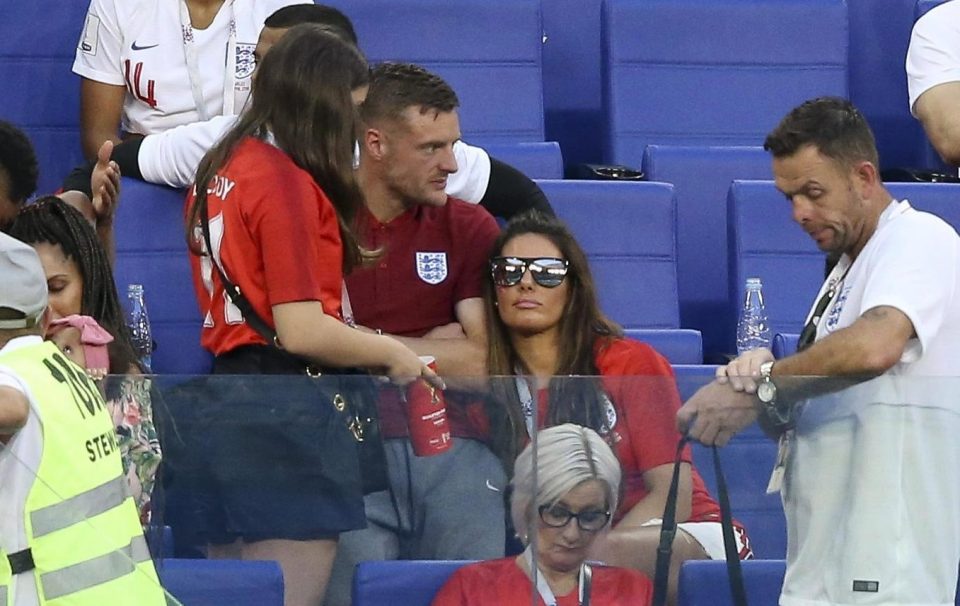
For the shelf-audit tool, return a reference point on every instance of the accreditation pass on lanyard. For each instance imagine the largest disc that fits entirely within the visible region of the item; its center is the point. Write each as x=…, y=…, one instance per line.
x=543, y=588
x=193, y=63
x=775, y=484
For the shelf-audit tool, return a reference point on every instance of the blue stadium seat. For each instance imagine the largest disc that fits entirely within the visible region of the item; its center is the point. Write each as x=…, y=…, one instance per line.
x=41, y=94
x=488, y=51
x=407, y=582
x=705, y=582
x=691, y=377
x=764, y=242
x=537, y=160
x=879, y=36
x=701, y=176
x=747, y=461
x=152, y=250
x=751, y=62
x=628, y=232
x=219, y=582
x=677, y=345
x=785, y=344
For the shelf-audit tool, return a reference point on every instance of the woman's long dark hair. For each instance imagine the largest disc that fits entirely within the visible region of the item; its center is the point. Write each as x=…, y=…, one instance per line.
x=53, y=221
x=301, y=96
x=572, y=399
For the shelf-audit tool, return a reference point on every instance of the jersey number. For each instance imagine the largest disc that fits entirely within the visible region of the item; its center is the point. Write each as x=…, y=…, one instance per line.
x=231, y=313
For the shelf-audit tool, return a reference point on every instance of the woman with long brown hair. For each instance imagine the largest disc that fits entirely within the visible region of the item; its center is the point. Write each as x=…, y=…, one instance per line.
x=278, y=194
x=573, y=365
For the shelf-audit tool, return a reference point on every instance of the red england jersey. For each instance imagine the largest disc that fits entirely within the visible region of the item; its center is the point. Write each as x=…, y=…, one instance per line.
x=277, y=237
x=503, y=583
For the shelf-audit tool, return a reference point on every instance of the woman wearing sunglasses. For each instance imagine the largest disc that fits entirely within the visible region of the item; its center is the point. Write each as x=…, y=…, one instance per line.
x=546, y=329
x=559, y=517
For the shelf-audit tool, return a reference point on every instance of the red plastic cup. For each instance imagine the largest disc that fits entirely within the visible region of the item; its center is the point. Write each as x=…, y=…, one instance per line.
x=427, y=416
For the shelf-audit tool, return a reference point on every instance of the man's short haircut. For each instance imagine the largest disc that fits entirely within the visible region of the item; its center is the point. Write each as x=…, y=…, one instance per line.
x=396, y=86
x=295, y=14
x=19, y=161
x=832, y=124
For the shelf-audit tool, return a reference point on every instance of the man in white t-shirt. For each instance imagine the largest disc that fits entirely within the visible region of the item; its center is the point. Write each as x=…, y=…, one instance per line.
x=151, y=65
x=933, y=78
x=873, y=512
x=171, y=158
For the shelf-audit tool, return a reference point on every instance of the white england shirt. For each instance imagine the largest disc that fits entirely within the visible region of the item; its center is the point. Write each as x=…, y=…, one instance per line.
x=140, y=44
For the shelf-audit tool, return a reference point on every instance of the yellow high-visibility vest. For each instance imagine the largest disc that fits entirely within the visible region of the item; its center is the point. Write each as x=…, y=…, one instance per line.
x=83, y=532
x=6, y=594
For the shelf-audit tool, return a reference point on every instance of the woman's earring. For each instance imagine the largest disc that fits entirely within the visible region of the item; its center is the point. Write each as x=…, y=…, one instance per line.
x=496, y=303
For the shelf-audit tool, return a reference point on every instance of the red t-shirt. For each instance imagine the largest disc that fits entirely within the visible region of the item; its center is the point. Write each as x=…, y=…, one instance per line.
x=503, y=583
x=434, y=257
x=642, y=386
x=277, y=236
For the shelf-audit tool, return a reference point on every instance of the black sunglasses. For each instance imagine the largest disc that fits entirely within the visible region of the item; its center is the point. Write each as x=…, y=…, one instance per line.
x=548, y=272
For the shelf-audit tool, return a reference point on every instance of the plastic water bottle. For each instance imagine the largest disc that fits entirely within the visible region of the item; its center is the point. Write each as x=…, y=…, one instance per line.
x=753, y=331
x=139, y=323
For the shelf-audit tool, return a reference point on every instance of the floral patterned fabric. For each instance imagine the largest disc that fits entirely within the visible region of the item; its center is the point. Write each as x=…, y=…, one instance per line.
x=132, y=411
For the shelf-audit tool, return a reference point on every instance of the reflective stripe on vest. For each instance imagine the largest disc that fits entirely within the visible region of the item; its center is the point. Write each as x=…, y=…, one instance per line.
x=96, y=571
x=79, y=507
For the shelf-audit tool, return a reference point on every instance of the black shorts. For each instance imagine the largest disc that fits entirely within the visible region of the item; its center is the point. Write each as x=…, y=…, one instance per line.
x=256, y=452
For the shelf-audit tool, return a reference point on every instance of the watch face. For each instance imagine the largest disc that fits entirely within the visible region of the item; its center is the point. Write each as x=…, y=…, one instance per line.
x=766, y=392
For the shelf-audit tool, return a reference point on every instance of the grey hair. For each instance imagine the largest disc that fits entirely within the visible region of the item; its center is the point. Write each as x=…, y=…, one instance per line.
x=567, y=455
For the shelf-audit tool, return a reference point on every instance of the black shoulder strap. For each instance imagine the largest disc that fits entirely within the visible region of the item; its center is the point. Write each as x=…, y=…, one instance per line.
x=668, y=531
x=233, y=291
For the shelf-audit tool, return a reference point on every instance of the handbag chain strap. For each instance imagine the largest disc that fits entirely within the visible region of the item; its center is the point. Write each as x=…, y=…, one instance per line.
x=668, y=531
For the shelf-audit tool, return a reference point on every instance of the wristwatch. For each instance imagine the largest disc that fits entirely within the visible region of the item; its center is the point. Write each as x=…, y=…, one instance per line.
x=767, y=389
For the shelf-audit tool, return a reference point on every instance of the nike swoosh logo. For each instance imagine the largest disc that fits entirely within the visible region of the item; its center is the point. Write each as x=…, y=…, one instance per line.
x=492, y=487
x=140, y=48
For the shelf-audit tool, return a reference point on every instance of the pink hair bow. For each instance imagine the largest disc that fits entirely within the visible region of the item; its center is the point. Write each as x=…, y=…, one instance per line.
x=93, y=337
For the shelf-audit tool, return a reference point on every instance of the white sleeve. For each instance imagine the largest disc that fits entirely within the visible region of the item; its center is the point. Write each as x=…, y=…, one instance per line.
x=470, y=181
x=934, y=54
x=9, y=380
x=171, y=157
x=98, y=52
x=914, y=270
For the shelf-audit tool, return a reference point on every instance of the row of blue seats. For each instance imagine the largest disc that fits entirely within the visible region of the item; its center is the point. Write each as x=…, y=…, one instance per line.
x=665, y=256
x=520, y=64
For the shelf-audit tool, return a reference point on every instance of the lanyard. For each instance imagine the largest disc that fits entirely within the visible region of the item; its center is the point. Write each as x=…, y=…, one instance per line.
x=543, y=588
x=527, y=404
x=193, y=64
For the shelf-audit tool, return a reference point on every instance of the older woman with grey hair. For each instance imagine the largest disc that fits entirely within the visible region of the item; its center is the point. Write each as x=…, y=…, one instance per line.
x=564, y=493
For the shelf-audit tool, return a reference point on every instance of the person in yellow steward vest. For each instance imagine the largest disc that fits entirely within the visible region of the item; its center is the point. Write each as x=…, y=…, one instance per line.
x=69, y=532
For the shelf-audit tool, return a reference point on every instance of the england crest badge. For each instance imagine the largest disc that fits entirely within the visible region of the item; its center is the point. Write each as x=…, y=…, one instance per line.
x=245, y=60
x=432, y=267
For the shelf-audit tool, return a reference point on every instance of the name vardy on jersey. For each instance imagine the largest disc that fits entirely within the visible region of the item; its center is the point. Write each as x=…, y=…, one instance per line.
x=219, y=187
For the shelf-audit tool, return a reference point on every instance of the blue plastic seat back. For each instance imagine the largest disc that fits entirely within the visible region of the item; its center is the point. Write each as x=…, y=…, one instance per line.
x=701, y=177
x=152, y=250
x=677, y=345
x=489, y=51
x=714, y=72
x=41, y=95
x=628, y=232
x=537, y=160
x=407, y=582
x=785, y=344
x=219, y=582
x=766, y=243
x=705, y=582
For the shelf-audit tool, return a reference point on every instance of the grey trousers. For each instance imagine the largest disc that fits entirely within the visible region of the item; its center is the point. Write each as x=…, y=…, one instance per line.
x=450, y=507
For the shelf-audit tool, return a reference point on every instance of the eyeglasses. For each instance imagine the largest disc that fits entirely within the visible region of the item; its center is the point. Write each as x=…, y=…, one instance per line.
x=558, y=516
x=548, y=272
